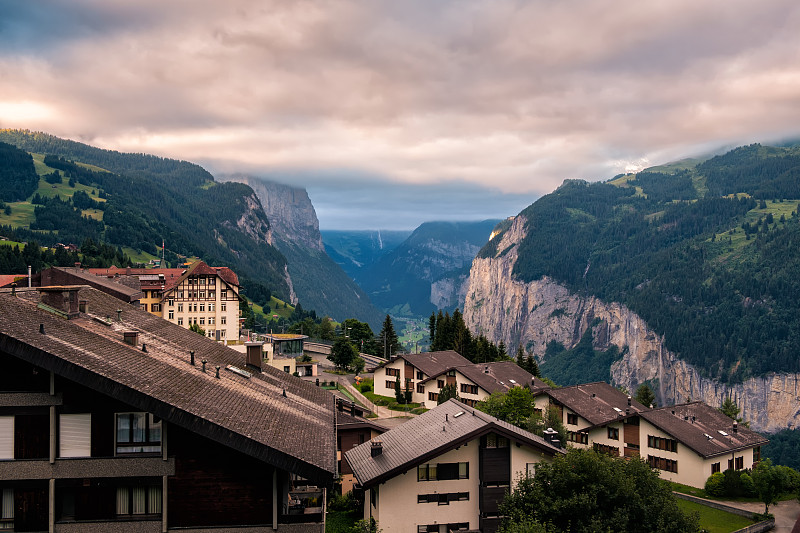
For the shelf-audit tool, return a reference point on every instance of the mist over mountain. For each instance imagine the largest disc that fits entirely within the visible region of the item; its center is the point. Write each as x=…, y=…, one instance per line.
x=356, y=250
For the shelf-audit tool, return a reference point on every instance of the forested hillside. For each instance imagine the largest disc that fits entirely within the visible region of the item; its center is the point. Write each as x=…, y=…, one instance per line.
x=139, y=201
x=706, y=255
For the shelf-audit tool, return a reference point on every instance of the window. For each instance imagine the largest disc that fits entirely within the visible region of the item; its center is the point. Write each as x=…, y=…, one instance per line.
x=211, y=294
x=467, y=401
x=202, y=308
x=756, y=454
x=138, y=433
x=138, y=500
x=613, y=433
x=180, y=308
x=530, y=469
x=660, y=463
x=223, y=320
x=202, y=321
x=420, y=388
x=180, y=294
x=469, y=389
x=212, y=281
x=172, y=315
x=451, y=373
x=440, y=383
x=395, y=372
x=572, y=419
x=458, y=527
x=75, y=435
x=661, y=443
x=578, y=437
x=223, y=294
x=222, y=331
x=180, y=321
x=202, y=281
x=433, y=396
x=7, y=509
x=286, y=369
x=171, y=302
x=223, y=307
x=6, y=437
x=493, y=440
x=428, y=528
x=444, y=498
x=210, y=308
x=420, y=375
x=211, y=321
x=389, y=384
x=739, y=463
x=146, y=307
x=715, y=467
x=442, y=471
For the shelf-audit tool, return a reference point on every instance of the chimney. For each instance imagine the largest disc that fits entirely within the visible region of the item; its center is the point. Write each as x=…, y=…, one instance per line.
x=131, y=337
x=629, y=400
x=83, y=306
x=486, y=369
x=376, y=448
x=78, y=265
x=62, y=299
x=735, y=426
x=253, y=357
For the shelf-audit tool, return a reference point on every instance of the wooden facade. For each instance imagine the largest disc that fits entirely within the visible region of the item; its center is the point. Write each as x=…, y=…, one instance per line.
x=181, y=479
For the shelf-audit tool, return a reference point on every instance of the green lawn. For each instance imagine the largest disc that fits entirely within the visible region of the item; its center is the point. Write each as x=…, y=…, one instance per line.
x=714, y=520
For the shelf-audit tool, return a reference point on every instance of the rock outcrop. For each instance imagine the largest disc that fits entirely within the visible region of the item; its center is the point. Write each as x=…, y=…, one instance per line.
x=532, y=314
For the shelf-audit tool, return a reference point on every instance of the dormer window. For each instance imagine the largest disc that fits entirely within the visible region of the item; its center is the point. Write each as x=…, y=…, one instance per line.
x=138, y=433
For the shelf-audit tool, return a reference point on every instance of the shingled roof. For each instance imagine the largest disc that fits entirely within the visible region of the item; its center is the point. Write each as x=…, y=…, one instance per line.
x=429, y=435
x=434, y=363
x=497, y=376
x=598, y=403
x=272, y=416
x=702, y=428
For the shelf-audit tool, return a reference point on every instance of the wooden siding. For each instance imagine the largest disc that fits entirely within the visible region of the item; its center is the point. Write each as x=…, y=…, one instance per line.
x=32, y=436
x=495, y=465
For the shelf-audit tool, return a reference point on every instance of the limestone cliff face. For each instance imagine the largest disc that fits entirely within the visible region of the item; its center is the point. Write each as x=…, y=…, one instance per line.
x=534, y=313
x=448, y=292
x=289, y=210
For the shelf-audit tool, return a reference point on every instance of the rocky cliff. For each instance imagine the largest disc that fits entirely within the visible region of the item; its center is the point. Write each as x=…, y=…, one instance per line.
x=534, y=313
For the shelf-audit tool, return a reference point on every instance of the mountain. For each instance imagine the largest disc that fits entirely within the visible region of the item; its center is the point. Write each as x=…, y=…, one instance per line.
x=688, y=271
x=318, y=282
x=355, y=250
x=402, y=280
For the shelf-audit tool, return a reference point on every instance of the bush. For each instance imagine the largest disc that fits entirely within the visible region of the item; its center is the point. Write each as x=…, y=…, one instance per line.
x=365, y=387
x=748, y=487
x=715, y=484
x=346, y=503
x=732, y=483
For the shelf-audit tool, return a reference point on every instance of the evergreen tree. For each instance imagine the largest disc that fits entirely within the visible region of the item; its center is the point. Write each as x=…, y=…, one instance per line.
x=432, y=329
x=388, y=338
x=447, y=392
x=645, y=395
x=398, y=392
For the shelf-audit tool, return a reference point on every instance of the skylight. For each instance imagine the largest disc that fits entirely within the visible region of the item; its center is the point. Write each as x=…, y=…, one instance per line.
x=458, y=414
x=722, y=433
x=617, y=409
x=236, y=370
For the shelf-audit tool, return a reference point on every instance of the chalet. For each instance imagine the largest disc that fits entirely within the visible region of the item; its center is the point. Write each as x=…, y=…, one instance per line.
x=476, y=382
x=691, y=441
x=112, y=419
x=412, y=369
x=351, y=431
x=686, y=443
x=447, y=469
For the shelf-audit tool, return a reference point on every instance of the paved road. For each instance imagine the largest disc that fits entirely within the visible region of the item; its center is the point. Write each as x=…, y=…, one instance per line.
x=786, y=513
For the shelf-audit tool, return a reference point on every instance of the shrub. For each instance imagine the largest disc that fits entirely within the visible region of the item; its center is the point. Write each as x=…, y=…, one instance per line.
x=732, y=483
x=748, y=487
x=365, y=387
x=715, y=484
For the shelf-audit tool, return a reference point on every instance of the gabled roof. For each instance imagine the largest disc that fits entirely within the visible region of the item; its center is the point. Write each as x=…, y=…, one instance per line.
x=78, y=276
x=598, y=403
x=497, y=376
x=433, y=363
x=275, y=417
x=345, y=421
x=429, y=435
x=693, y=423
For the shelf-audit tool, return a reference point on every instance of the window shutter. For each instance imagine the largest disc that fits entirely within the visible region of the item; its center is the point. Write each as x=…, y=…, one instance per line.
x=75, y=436
x=6, y=437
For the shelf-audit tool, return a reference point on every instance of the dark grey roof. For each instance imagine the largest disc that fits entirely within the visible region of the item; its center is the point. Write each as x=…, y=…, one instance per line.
x=432, y=363
x=598, y=403
x=347, y=421
x=693, y=423
x=78, y=276
x=429, y=435
x=497, y=376
x=294, y=432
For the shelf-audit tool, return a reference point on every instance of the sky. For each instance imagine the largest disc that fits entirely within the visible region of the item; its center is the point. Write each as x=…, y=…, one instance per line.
x=392, y=113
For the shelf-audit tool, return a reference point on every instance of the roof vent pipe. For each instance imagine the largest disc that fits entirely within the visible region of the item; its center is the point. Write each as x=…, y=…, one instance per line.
x=735, y=426
x=629, y=400
x=284, y=392
x=445, y=417
x=144, y=347
x=217, y=375
x=191, y=357
x=41, y=329
x=204, y=364
x=14, y=289
x=486, y=369
x=119, y=315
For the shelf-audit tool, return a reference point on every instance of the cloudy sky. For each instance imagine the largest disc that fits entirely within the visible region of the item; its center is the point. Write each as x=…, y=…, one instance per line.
x=396, y=112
